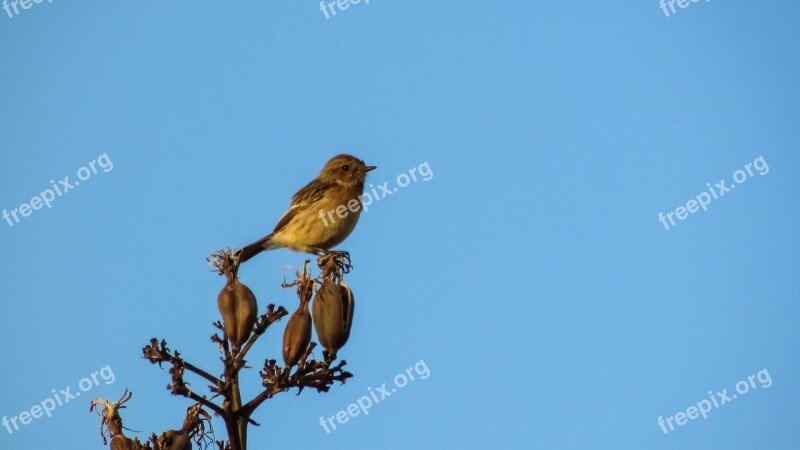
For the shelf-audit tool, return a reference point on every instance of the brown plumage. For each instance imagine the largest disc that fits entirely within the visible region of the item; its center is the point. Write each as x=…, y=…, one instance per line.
x=306, y=227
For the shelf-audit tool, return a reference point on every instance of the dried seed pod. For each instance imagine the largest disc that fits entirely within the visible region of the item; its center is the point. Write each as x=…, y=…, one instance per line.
x=239, y=310
x=297, y=335
x=120, y=442
x=175, y=440
x=111, y=423
x=194, y=428
x=333, y=315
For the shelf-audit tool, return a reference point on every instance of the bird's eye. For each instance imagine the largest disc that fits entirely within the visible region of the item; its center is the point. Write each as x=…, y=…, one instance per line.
x=345, y=168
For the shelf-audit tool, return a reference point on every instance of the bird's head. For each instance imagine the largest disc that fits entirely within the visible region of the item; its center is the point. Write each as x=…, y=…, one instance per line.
x=345, y=169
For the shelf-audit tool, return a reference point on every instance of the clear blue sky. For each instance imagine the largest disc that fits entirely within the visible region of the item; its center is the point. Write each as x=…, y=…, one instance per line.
x=531, y=273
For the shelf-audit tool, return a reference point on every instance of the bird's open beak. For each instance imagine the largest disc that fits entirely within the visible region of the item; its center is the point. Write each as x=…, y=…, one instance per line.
x=368, y=168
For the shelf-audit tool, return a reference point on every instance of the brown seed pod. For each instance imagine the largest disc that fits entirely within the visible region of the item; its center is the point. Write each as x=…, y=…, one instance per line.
x=120, y=442
x=175, y=440
x=297, y=335
x=333, y=315
x=239, y=310
x=236, y=302
x=111, y=423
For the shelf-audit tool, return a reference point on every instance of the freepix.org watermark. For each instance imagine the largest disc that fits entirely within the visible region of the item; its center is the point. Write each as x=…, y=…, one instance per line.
x=363, y=404
x=663, y=4
x=340, y=5
x=703, y=199
x=48, y=196
x=703, y=407
x=366, y=199
x=9, y=5
x=64, y=396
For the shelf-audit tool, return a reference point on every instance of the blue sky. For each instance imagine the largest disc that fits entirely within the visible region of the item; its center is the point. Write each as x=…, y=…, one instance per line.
x=530, y=273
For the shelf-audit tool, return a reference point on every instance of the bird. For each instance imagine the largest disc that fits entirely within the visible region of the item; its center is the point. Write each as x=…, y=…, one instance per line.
x=313, y=223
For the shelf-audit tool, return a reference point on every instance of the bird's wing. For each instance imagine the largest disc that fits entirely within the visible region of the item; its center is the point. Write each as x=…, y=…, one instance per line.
x=308, y=195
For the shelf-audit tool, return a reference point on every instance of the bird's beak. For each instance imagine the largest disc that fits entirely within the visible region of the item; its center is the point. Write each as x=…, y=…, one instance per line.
x=368, y=168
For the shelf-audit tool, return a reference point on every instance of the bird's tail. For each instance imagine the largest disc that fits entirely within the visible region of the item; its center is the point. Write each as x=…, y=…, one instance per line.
x=251, y=250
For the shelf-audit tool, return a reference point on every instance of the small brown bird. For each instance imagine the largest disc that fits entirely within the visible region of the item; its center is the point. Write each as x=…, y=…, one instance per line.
x=313, y=224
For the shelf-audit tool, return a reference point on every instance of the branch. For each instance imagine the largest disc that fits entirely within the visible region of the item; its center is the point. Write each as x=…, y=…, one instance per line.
x=264, y=321
x=207, y=403
x=201, y=372
x=159, y=353
x=315, y=374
